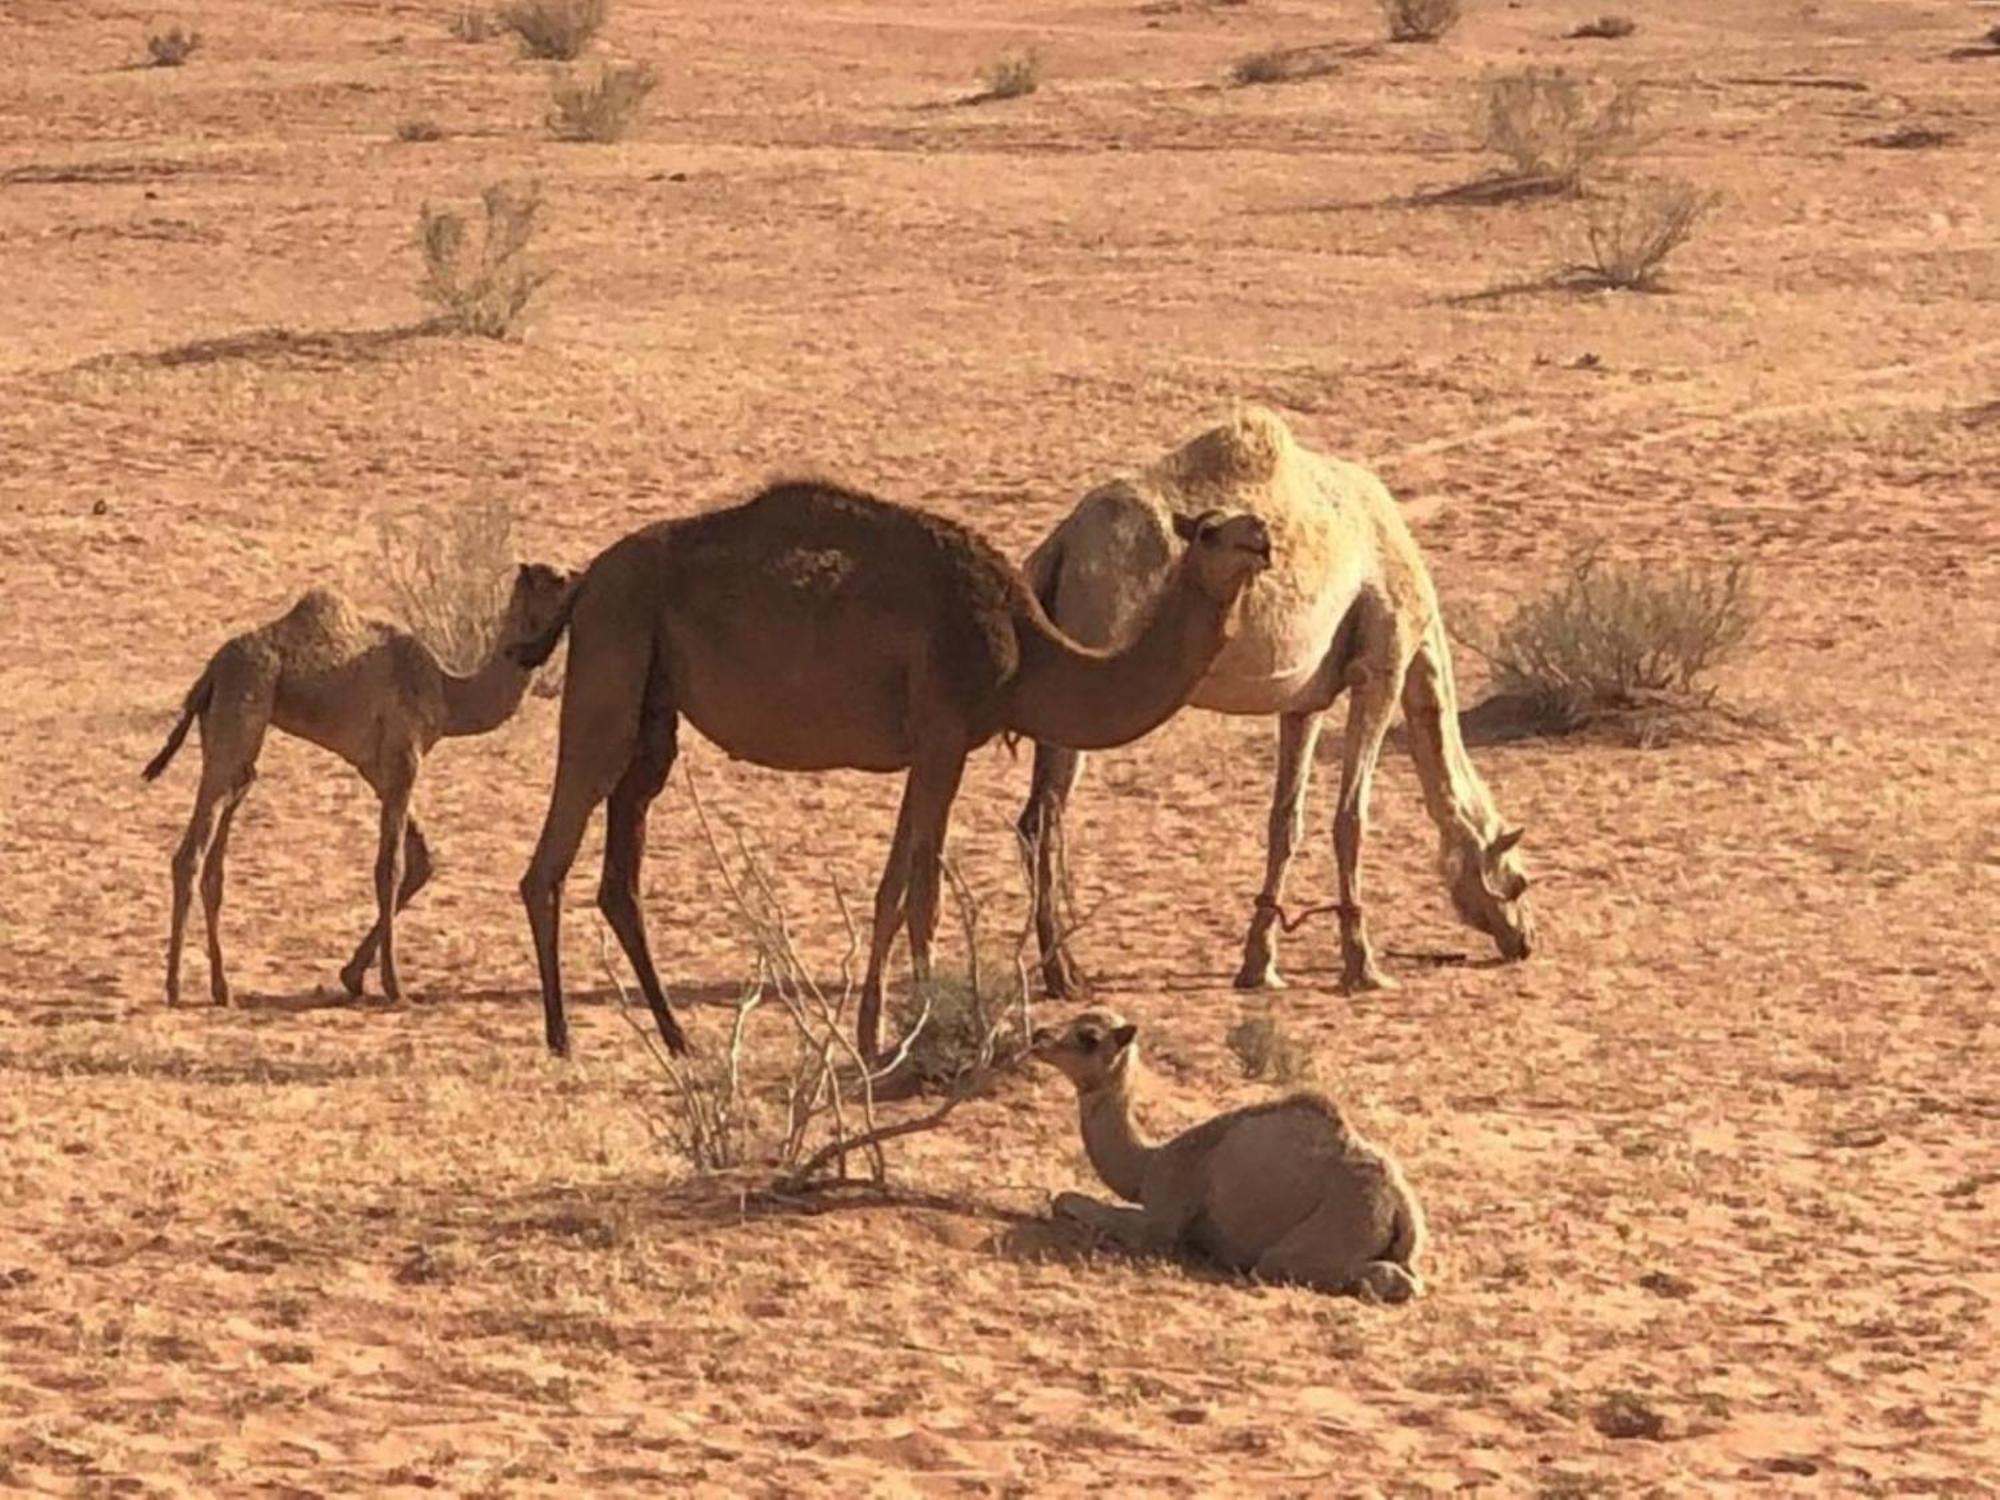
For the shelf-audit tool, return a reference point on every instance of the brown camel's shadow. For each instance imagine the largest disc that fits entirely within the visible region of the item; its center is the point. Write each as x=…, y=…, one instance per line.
x=324, y=349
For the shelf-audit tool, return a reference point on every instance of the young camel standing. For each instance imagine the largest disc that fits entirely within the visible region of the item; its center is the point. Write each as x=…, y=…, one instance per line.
x=1349, y=608
x=373, y=695
x=812, y=628
x=1286, y=1190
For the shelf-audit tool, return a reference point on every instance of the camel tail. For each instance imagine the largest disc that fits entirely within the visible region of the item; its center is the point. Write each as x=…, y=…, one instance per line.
x=195, y=703
x=539, y=648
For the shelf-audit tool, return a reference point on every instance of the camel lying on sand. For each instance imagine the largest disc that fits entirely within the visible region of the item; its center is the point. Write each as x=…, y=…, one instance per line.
x=1349, y=607
x=811, y=628
x=1285, y=1191
x=372, y=694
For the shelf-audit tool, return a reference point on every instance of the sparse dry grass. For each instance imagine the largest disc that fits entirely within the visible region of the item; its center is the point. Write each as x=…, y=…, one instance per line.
x=1012, y=76
x=1632, y=228
x=417, y=131
x=554, y=29
x=447, y=573
x=1550, y=126
x=1608, y=28
x=1420, y=20
x=1280, y=65
x=600, y=108
x=1623, y=644
x=474, y=24
x=486, y=292
x=172, y=47
x=1266, y=1050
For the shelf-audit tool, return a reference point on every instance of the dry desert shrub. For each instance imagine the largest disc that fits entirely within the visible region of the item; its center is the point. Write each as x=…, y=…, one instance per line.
x=1264, y=1048
x=1630, y=231
x=448, y=575
x=1618, y=644
x=558, y=29
x=1280, y=65
x=473, y=23
x=1420, y=20
x=486, y=292
x=172, y=47
x=1011, y=76
x=1604, y=28
x=1550, y=128
x=412, y=131
x=603, y=108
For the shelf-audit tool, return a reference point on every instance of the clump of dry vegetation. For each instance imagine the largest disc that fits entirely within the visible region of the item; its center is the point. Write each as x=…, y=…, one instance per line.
x=602, y=108
x=1011, y=76
x=172, y=47
x=1623, y=646
x=1908, y=137
x=1607, y=28
x=1420, y=20
x=483, y=292
x=448, y=574
x=1279, y=65
x=1630, y=231
x=1550, y=128
x=1265, y=1049
x=558, y=29
x=473, y=23
x=419, y=130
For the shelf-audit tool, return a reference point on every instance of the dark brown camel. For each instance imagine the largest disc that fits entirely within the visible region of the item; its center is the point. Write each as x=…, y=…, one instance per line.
x=811, y=628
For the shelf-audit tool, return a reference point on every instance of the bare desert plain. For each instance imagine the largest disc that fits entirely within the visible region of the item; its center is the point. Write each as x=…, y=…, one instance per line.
x=1713, y=1177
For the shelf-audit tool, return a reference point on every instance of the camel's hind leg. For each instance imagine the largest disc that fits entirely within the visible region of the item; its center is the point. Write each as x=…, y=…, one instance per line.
x=1041, y=828
x=1338, y=1248
x=232, y=735
x=935, y=783
x=396, y=781
x=211, y=894
x=1375, y=683
x=417, y=871
x=625, y=853
x=1298, y=733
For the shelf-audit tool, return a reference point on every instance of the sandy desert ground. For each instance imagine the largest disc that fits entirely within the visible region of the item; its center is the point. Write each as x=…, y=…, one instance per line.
x=1720, y=1164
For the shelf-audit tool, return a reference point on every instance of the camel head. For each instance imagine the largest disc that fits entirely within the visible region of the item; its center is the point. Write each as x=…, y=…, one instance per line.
x=1489, y=889
x=1094, y=1051
x=533, y=603
x=1226, y=549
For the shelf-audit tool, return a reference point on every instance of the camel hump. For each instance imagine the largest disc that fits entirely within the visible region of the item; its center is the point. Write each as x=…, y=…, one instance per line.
x=1248, y=449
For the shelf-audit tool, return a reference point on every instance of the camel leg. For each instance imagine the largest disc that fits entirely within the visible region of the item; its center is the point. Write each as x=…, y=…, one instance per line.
x=396, y=788
x=1041, y=826
x=889, y=895
x=1335, y=1249
x=1297, y=735
x=211, y=897
x=417, y=871
x=232, y=734
x=188, y=858
x=625, y=853
x=937, y=787
x=1373, y=691
x=909, y=880
x=1127, y=1227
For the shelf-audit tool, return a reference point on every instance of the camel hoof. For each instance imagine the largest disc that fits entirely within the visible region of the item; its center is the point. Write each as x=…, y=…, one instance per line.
x=353, y=981
x=219, y=995
x=1367, y=981
x=1385, y=1281
x=1260, y=977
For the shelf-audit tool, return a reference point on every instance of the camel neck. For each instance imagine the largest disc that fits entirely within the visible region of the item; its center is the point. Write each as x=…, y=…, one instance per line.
x=1112, y=1138
x=1460, y=806
x=1085, y=699
x=488, y=698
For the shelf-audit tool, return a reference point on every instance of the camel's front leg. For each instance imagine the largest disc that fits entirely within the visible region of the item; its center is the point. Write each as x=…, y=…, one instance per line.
x=417, y=871
x=1126, y=1227
x=1297, y=735
x=396, y=788
x=1373, y=691
x=1041, y=828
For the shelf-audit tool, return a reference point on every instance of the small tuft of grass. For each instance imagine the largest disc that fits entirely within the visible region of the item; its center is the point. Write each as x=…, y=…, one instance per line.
x=558, y=29
x=1279, y=65
x=1550, y=127
x=1623, y=646
x=1630, y=232
x=1011, y=76
x=603, y=108
x=1420, y=20
x=1909, y=138
x=1604, y=28
x=1626, y=1414
x=484, y=293
x=1265, y=1049
x=172, y=47
x=473, y=23
x=419, y=130
x=947, y=1022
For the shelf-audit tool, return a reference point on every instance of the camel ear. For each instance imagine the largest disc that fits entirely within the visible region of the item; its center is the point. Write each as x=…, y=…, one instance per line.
x=1121, y=1037
x=1508, y=838
x=1187, y=528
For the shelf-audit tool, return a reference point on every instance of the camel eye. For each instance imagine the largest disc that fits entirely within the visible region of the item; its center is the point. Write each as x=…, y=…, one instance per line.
x=1088, y=1040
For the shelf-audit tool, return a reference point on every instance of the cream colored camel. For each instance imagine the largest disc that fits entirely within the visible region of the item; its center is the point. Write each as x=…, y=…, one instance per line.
x=811, y=628
x=1349, y=607
x=373, y=695
x=1284, y=1190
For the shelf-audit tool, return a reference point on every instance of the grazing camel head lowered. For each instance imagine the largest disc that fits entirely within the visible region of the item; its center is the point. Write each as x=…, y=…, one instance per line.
x=1284, y=1190
x=1348, y=608
x=813, y=627
x=371, y=693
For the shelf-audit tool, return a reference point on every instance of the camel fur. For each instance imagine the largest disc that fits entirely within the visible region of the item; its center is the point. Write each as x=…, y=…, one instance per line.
x=371, y=693
x=1348, y=607
x=814, y=627
x=1285, y=1190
